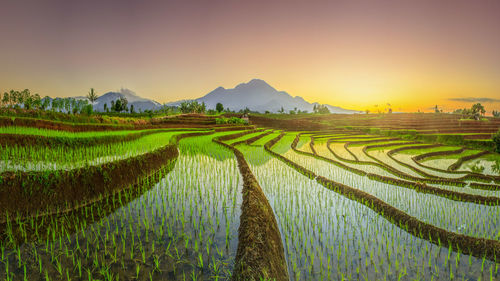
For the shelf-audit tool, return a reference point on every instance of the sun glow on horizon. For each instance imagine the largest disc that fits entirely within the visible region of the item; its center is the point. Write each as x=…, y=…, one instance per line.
x=413, y=55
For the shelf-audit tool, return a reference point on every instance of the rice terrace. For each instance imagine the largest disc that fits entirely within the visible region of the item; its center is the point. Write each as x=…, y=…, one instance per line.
x=198, y=197
x=250, y=140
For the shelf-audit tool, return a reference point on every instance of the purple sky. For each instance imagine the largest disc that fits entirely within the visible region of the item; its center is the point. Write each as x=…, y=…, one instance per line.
x=349, y=53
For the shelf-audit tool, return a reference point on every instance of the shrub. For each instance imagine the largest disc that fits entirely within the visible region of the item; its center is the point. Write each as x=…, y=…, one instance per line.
x=496, y=141
x=477, y=168
x=232, y=120
x=480, y=144
x=450, y=139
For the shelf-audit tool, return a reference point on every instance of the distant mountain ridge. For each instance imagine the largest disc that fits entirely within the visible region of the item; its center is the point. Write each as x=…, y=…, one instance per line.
x=140, y=104
x=259, y=96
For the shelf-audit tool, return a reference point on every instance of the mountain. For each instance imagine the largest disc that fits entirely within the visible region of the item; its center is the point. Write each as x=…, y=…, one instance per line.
x=140, y=104
x=259, y=96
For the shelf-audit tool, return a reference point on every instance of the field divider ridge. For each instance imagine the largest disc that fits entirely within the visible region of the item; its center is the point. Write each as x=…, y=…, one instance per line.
x=435, y=180
x=479, y=247
x=467, y=175
x=40, y=140
x=260, y=252
x=60, y=190
x=417, y=186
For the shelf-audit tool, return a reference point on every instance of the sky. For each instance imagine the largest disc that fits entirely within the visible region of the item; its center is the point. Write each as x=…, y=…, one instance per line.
x=354, y=54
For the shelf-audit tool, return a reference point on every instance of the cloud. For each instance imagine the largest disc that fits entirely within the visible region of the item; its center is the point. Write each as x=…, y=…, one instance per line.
x=126, y=91
x=474, y=99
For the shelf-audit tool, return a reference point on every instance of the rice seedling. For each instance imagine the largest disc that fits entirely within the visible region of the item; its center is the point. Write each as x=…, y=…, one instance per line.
x=299, y=216
x=22, y=158
x=127, y=226
x=480, y=220
x=181, y=223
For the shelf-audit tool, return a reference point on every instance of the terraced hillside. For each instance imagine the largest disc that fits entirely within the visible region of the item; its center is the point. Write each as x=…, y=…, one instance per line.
x=435, y=127
x=207, y=202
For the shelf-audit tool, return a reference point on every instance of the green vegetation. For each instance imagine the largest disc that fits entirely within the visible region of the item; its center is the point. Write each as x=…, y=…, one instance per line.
x=192, y=107
x=28, y=101
x=189, y=227
x=219, y=107
x=54, y=133
x=92, y=95
x=348, y=205
x=428, y=150
x=475, y=112
x=49, y=158
x=496, y=141
x=321, y=109
x=231, y=120
x=445, y=139
x=454, y=156
x=119, y=105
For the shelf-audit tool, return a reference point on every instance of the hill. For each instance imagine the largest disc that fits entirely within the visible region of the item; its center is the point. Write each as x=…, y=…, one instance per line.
x=259, y=96
x=140, y=104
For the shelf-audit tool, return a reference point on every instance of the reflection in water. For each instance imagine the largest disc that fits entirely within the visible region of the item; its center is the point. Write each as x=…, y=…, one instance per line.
x=327, y=236
x=182, y=226
x=476, y=167
x=496, y=167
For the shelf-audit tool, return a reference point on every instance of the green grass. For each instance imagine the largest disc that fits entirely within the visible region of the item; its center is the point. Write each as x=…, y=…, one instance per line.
x=183, y=225
x=265, y=139
x=327, y=236
x=428, y=150
x=454, y=156
x=459, y=134
x=391, y=147
x=68, y=158
x=491, y=157
x=66, y=134
x=245, y=137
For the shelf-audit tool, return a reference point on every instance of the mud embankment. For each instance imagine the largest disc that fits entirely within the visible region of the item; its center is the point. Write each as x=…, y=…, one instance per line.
x=260, y=254
x=478, y=247
x=25, y=194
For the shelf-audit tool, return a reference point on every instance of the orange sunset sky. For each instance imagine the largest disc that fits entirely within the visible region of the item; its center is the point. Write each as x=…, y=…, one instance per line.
x=353, y=54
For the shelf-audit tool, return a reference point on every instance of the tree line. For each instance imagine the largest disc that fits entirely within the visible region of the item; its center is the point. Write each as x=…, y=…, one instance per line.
x=26, y=100
x=475, y=112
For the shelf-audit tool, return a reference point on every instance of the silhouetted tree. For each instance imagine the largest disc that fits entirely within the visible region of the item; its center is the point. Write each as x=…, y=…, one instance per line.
x=192, y=107
x=478, y=109
x=496, y=140
x=321, y=109
x=6, y=99
x=219, y=107
x=45, y=103
x=92, y=96
x=119, y=105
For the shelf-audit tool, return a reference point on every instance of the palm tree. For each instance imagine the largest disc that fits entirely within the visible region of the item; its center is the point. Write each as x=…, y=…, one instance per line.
x=5, y=99
x=92, y=96
x=13, y=97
